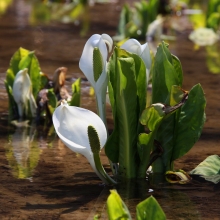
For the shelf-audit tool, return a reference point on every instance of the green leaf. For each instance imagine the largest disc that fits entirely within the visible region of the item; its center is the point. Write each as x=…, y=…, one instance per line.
x=178, y=68
x=152, y=118
x=76, y=90
x=26, y=61
x=176, y=95
x=34, y=72
x=126, y=107
x=12, y=106
x=209, y=169
x=52, y=100
x=30, y=61
x=125, y=72
x=116, y=208
x=125, y=17
x=166, y=73
x=44, y=80
x=150, y=209
x=14, y=65
x=127, y=93
x=190, y=122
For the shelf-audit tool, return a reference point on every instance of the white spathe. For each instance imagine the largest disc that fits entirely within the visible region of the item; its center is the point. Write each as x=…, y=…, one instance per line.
x=86, y=60
x=86, y=66
x=71, y=125
x=203, y=36
x=22, y=93
x=133, y=46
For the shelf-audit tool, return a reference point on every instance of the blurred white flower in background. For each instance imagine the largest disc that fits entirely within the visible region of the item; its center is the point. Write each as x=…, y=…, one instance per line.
x=203, y=36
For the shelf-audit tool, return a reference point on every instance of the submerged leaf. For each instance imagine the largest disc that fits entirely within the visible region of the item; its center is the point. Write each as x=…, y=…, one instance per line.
x=150, y=209
x=116, y=207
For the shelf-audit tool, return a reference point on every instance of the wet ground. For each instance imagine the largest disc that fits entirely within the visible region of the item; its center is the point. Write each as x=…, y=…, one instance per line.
x=42, y=179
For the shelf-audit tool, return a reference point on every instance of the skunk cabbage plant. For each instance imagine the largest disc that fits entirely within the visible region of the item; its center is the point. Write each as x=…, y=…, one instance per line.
x=31, y=94
x=142, y=136
x=93, y=64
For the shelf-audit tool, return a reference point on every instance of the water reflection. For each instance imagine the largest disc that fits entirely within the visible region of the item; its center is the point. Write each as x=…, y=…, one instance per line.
x=213, y=58
x=43, y=12
x=25, y=146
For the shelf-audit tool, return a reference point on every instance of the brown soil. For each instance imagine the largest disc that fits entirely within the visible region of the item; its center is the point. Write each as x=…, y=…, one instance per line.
x=62, y=184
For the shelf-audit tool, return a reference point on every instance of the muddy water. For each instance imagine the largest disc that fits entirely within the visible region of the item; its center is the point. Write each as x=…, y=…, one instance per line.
x=42, y=179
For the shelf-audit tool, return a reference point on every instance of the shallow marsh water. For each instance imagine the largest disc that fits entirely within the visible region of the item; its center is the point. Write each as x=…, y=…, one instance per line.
x=42, y=179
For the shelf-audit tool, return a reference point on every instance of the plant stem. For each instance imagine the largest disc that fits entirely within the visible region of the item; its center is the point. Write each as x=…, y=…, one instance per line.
x=101, y=172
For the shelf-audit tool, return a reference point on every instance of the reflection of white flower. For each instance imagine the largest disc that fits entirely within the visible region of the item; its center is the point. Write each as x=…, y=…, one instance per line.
x=203, y=36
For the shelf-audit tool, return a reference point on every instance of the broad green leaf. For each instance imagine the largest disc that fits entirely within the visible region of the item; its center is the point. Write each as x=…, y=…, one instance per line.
x=126, y=107
x=26, y=61
x=145, y=143
x=143, y=13
x=209, y=169
x=12, y=106
x=166, y=73
x=150, y=209
x=153, y=10
x=76, y=88
x=144, y=147
x=214, y=21
x=152, y=118
x=176, y=95
x=116, y=208
x=190, y=122
x=178, y=68
x=30, y=61
x=112, y=145
x=14, y=65
x=212, y=7
x=127, y=94
x=34, y=72
x=125, y=17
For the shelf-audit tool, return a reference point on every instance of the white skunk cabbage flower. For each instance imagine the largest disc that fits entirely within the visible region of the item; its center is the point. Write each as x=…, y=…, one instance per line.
x=22, y=93
x=93, y=63
x=71, y=124
x=133, y=46
x=203, y=36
